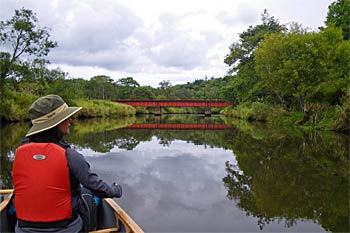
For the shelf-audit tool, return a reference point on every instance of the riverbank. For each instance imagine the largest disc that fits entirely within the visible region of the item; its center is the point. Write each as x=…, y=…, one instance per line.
x=323, y=117
x=15, y=107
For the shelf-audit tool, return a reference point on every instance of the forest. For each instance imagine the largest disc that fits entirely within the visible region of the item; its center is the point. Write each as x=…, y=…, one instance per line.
x=283, y=74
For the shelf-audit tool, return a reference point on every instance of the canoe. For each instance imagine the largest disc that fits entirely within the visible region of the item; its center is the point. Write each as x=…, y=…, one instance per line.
x=110, y=216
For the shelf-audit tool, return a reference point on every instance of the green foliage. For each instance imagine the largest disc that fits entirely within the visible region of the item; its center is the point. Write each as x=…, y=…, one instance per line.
x=126, y=87
x=310, y=67
x=68, y=89
x=294, y=69
x=143, y=93
x=242, y=52
x=100, y=87
x=25, y=37
x=99, y=108
x=165, y=87
x=339, y=16
x=15, y=106
x=341, y=122
x=255, y=111
x=245, y=85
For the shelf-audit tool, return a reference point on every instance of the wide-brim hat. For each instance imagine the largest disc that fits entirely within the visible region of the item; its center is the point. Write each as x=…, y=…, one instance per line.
x=47, y=112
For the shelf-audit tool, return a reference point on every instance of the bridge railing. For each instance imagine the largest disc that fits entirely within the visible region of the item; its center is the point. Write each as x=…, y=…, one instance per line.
x=175, y=103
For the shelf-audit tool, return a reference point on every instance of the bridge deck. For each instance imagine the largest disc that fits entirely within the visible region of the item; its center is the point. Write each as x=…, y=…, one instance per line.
x=175, y=103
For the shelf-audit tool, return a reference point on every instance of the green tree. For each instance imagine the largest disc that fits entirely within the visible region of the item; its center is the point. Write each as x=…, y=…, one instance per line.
x=181, y=92
x=66, y=89
x=21, y=35
x=126, y=86
x=128, y=82
x=101, y=87
x=143, y=93
x=311, y=67
x=165, y=87
x=339, y=16
x=38, y=77
x=240, y=59
x=242, y=52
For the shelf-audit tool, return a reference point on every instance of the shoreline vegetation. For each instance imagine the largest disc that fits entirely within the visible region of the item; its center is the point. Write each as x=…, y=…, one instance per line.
x=324, y=118
x=15, y=108
x=327, y=118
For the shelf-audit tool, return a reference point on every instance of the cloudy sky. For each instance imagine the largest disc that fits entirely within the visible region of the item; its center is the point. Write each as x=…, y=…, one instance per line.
x=155, y=40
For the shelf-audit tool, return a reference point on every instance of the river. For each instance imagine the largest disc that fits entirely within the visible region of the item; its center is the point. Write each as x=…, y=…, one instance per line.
x=192, y=174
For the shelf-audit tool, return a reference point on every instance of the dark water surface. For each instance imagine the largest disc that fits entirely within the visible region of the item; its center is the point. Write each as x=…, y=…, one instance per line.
x=245, y=178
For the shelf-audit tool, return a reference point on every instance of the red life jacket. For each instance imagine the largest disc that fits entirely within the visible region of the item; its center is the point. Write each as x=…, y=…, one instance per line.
x=41, y=182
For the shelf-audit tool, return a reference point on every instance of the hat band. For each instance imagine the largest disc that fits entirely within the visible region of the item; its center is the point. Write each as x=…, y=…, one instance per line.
x=50, y=115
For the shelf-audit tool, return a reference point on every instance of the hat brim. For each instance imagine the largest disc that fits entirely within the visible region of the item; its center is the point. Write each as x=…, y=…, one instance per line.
x=37, y=128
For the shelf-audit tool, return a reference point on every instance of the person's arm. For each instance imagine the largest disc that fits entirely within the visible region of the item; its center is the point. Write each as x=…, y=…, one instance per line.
x=80, y=168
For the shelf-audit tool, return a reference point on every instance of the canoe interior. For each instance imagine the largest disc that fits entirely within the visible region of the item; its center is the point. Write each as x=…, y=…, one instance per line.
x=107, y=218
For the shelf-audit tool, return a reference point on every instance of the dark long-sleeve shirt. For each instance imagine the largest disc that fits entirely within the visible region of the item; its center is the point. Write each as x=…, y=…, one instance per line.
x=80, y=169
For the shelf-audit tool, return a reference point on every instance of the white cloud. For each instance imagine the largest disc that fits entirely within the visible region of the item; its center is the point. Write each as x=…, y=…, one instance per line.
x=155, y=40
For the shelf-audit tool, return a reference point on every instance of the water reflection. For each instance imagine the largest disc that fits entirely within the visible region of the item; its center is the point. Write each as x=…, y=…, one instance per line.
x=245, y=178
x=292, y=178
x=11, y=137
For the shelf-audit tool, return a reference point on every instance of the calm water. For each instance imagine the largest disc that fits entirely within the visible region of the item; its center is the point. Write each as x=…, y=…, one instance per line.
x=246, y=178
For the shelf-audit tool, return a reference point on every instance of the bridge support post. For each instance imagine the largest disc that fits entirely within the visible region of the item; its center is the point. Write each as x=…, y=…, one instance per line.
x=158, y=111
x=207, y=111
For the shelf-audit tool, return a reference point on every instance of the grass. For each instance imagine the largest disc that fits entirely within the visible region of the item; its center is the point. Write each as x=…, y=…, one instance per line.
x=100, y=108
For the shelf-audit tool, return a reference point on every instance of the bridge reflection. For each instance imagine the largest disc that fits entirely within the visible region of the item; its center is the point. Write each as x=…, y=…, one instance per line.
x=177, y=126
x=159, y=104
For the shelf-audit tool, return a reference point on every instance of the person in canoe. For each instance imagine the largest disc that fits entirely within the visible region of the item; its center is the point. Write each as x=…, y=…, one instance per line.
x=49, y=176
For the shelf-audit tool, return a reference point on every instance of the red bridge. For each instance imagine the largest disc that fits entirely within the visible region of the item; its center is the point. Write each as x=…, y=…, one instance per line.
x=177, y=126
x=207, y=104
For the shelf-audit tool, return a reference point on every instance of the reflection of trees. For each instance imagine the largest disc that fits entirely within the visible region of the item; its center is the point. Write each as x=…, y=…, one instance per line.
x=97, y=134
x=130, y=138
x=127, y=140
x=291, y=178
x=127, y=143
x=107, y=140
x=165, y=141
x=179, y=118
x=103, y=135
x=11, y=137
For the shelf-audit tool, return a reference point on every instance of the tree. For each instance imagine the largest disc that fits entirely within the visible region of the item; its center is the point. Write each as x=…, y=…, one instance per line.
x=127, y=85
x=181, y=92
x=310, y=67
x=101, y=87
x=242, y=52
x=339, y=16
x=143, y=93
x=165, y=86
x=128, y=82
x=244, y=86
x=21, y=35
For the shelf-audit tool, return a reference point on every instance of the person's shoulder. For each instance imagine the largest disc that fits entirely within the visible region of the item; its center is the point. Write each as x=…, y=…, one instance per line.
x=76, y=159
